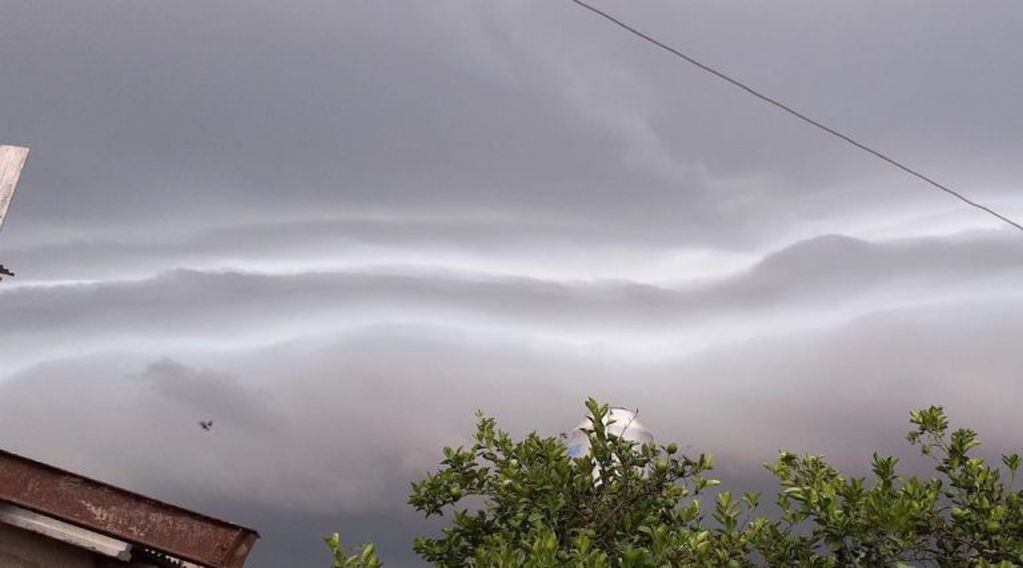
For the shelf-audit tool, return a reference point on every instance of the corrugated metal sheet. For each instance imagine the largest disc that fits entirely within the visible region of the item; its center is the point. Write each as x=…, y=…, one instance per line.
x=123, y=514
x=12, y=159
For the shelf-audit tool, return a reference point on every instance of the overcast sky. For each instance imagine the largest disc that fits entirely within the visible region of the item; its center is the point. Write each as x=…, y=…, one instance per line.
x=336, y=228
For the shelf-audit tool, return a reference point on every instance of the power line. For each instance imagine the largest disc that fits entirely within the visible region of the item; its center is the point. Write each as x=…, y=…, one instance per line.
x=794, y=112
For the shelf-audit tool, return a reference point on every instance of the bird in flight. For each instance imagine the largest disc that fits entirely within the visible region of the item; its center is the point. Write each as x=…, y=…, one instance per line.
x=206, y=425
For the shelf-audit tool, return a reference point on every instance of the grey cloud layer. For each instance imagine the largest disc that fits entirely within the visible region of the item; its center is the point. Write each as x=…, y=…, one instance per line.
x=184, y=113
x=365, y=373
x=337, y=228
x=338, y=239
x=824, y=274
x=407, y=388
x=338, y=428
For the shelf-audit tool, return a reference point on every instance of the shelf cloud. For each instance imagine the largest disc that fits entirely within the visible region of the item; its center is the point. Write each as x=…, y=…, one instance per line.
x=336, y=229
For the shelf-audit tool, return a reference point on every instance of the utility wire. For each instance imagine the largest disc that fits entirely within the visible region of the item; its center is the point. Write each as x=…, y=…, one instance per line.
x=794, y=112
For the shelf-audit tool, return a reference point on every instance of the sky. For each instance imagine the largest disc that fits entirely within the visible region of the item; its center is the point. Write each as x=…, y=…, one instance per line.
x=337, y=228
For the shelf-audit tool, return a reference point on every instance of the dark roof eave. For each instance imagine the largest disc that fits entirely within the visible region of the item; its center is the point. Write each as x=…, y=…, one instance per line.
x=123, y=514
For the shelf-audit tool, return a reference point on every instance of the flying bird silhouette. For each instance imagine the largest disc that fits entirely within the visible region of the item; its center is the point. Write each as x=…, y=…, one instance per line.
x=206, y=425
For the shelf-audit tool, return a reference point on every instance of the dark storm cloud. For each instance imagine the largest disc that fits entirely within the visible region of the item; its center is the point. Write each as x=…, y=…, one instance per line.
x=826, y=272
x=348, y=423
x=364, y=397
x=337, y=228
x=178, y=114
x=208, y=394
x=313, y=240
x=361, y=239
x=240, y=108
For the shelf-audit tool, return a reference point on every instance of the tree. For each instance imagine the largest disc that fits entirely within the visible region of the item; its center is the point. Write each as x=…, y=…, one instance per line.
x=363, y=557
x=526, y=503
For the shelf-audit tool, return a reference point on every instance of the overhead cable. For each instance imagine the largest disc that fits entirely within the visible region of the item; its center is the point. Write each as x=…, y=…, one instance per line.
x=795, y=113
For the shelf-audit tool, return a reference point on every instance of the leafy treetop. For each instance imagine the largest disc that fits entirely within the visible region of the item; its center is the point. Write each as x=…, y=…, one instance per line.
x=527, y=504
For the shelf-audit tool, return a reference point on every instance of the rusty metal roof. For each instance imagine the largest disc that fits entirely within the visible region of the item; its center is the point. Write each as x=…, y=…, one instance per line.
x=122, y=514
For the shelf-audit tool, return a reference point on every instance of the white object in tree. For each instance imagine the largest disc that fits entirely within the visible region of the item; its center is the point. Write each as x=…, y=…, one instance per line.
x=12, y=160
x=620, y=422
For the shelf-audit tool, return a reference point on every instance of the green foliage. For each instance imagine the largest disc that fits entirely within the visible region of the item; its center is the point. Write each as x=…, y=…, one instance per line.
x=364, y=557
x=526, y=504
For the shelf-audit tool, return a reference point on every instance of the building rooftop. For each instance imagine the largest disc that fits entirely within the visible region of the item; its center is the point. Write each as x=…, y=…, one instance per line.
x=40, y=497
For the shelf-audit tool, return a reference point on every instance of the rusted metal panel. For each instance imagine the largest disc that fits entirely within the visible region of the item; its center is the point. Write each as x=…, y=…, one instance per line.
x=12, y=160
x=123, y=514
